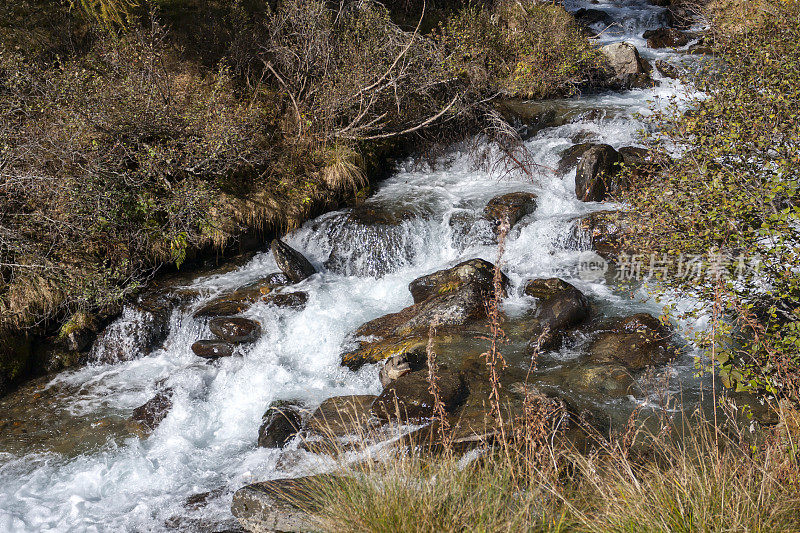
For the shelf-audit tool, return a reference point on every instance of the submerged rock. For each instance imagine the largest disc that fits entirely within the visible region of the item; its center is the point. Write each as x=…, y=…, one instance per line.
x=597, y=167
x=510, y=208
x=291, y=262
x=278, y=505
x=603, y=380
x=235, y=330
x=152, y=413
x=373, y=240
x=665, y=38
x=629, y=70
x=210, y=349
x=636, y=342
x=280, y=423
x=409, y=396
x=468, y=229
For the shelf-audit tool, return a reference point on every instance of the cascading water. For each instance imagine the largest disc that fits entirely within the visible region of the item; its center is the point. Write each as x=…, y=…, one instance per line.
x=72, y=463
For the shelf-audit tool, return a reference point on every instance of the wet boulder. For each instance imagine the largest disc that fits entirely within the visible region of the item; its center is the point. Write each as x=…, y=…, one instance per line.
x=668, y=70
x=605, y=232
x=393, y=368
x=477, y=273
x=636, y=342
x=243, y=298
x=211, y=349
x=595, y=174
x=571, y=156
x=380, y=349
x=291, y=262
x=592, y=16
x=337, y=419
x=594, y=20
x=139, y=331
x=280, y=423
x=665, y=38
x=294, y=299
x=509, y=208
x=559, y=307
x=152, y=413
x=449, y=299
x=628, y=69
x=410, y=398
x=278, y=505
x=235, y=330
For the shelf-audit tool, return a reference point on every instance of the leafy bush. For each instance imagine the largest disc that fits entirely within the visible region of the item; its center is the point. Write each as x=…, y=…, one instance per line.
x=526, y=49
x=734, y=193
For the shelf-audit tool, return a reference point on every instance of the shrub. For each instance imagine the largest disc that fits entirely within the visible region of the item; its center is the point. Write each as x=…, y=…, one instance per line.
x=734, y=193
x=526, y=49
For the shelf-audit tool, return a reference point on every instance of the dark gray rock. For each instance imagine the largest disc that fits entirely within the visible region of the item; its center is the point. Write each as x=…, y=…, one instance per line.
x=560, y=307
x=280, y=423
x=278, y=505
x=510, y=208
x=211, y=349
x=571, y=156
x=152, y=413
x=291, y=262
x=235, y=330
x=597, y=167
x=665, y=38
x=636, y=342
x=592, y=17
x=410, y=398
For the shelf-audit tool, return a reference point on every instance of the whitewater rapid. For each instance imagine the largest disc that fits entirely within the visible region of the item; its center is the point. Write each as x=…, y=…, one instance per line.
x=208, y=440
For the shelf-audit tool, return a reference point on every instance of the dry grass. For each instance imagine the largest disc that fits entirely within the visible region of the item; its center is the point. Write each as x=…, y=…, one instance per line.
x=703, y=480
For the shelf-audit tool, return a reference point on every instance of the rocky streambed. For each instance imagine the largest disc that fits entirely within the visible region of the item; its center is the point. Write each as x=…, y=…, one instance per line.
x=274, y=368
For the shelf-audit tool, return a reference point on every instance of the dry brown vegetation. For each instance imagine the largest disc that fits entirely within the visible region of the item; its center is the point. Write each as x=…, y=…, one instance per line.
x=171, y=128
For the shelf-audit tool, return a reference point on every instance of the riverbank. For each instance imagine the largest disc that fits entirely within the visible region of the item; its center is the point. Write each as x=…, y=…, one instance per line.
x=135, y=147
x=199, y=389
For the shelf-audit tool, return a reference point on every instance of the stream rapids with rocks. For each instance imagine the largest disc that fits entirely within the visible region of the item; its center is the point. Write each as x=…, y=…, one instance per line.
x=159, y=430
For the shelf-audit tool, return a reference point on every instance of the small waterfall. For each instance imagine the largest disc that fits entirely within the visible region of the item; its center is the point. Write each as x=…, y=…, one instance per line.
x=417, y=222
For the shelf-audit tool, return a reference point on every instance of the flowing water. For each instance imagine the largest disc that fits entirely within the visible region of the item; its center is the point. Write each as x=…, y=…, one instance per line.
x=69, y=461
